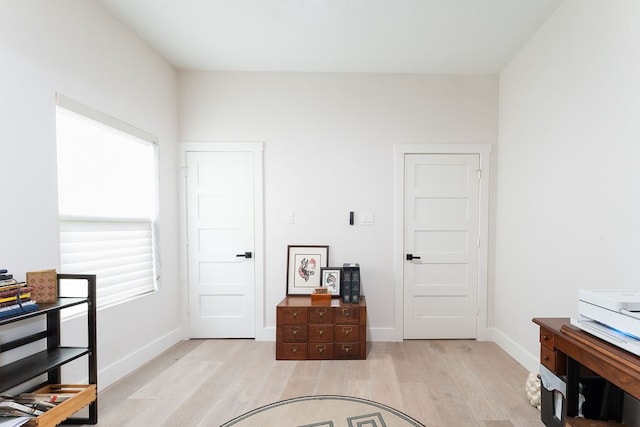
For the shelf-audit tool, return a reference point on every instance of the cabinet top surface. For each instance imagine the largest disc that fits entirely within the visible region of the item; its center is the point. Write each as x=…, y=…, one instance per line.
x=305, y=301
x=554, y=323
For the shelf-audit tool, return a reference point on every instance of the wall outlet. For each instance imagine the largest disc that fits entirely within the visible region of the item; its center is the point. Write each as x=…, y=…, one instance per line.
x=289, y=218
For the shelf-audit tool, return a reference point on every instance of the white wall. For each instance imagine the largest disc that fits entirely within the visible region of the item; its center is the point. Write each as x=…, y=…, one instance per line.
x=568, y=186
x=75, y=48
x=328, y=142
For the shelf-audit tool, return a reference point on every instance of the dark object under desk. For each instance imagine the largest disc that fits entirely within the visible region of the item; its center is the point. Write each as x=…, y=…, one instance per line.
x=571, y=353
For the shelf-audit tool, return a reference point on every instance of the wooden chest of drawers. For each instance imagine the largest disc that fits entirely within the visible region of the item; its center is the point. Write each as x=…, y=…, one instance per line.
x=306, y=330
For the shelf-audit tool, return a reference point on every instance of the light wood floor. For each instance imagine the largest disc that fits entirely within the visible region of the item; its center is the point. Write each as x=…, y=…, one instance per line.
x=207, y=382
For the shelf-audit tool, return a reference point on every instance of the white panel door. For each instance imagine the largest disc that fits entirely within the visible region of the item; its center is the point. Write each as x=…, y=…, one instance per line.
x=220, y=227
x=441, y=235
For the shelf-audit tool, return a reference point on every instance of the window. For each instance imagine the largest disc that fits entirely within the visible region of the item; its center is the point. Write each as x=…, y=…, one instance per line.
x=106, y=201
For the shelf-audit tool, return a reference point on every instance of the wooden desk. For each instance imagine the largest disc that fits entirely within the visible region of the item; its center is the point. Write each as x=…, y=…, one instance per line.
x=563, y=343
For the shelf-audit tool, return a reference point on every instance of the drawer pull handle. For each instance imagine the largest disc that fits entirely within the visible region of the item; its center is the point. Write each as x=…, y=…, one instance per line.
x=545, y=337
x=546, y=357
x=347, y=331
x=295, y=313
x=320, y=331
x=322, y=312
x=346, y=313
x=295, y=331
x=294, y=349
x=346, y=348
x=321, y=348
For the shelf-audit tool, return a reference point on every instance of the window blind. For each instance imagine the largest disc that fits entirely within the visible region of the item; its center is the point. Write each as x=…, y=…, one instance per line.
x=120, y=253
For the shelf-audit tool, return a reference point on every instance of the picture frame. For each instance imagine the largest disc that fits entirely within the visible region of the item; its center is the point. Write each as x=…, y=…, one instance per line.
x=304, y=264
x=330, y=278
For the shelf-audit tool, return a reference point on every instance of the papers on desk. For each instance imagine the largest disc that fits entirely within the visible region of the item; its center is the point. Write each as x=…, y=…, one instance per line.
x=13, y=421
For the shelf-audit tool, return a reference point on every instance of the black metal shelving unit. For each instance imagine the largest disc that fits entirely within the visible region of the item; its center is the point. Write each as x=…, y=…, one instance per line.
x=49, y=362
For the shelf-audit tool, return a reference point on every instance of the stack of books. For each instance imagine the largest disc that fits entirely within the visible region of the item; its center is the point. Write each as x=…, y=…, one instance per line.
x=350, y=286
x=15, y=296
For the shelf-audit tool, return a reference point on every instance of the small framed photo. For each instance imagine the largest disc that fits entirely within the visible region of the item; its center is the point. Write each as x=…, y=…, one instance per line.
x=330, y=278
x=303, y=268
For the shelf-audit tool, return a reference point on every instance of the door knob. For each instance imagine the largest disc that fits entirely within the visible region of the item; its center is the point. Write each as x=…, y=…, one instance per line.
x=410, y=257
x=244, y=255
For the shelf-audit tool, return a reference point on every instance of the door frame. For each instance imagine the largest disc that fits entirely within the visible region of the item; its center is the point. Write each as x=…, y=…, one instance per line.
x=257, y=149
x=484, y=153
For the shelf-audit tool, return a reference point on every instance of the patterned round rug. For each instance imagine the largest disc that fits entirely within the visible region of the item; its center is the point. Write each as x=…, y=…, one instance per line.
x=324, y=411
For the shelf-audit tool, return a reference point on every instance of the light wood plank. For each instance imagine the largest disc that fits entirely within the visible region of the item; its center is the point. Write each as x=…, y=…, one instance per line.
x=439, y=382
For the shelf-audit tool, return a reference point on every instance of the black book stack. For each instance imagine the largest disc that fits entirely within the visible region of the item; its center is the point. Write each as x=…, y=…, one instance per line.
x=350, y=286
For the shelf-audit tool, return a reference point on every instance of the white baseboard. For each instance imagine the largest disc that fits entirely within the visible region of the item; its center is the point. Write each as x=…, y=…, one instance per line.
x=124, y=366
x=384, y=335
x=529, y=361
x=266, y=334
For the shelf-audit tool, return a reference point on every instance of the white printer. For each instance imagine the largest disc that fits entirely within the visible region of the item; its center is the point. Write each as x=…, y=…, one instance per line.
x=613, y=316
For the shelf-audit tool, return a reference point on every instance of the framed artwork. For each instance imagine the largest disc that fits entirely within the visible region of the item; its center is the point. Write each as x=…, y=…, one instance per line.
x=330, y=278
x=303, y=268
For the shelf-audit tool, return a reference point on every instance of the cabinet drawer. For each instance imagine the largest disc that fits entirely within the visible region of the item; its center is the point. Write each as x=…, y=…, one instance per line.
x=347, y=315
x=291, y=351
x=321, y=351
x=346, y=333
x=321, y=315
x=292, y=315
x=349, y=350
x=548, y=359
x=294, y=333
x=320, y=333
x=547, y=338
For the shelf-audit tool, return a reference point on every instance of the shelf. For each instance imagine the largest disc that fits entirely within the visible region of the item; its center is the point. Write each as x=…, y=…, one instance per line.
x=45, y=308
x=22, y=370
x=83, y=395
x=46, y=365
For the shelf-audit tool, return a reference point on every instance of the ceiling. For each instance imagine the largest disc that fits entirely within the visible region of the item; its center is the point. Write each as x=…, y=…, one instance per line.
x=378, y=36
